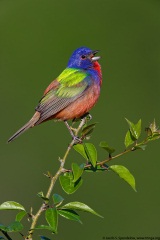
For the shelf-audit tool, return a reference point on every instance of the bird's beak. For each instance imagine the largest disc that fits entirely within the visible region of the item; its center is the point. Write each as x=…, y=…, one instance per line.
x=93, y=56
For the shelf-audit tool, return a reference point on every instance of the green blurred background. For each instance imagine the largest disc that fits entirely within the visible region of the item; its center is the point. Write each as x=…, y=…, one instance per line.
x=37, y=38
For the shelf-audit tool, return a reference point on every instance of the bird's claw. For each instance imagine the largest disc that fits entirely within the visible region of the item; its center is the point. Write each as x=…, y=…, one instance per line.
x=77, y=140
x=89, y=116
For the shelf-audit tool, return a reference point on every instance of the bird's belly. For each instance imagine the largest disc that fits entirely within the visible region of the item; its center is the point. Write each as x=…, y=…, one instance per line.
x=81, y=106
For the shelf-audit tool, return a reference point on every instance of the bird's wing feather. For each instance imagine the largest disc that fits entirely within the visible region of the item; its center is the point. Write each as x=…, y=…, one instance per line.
x=68, y=87
x=53, y=85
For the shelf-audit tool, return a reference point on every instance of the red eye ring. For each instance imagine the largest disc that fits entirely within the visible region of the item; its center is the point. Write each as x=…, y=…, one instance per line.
x=83, y=57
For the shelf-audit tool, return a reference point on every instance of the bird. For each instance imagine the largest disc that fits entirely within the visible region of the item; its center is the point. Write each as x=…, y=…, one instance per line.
x=72, y=94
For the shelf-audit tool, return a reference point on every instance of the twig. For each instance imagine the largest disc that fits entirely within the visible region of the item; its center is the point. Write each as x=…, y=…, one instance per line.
x=106, y=160
x=6, y=235
x=53, y=181
x=111, y=158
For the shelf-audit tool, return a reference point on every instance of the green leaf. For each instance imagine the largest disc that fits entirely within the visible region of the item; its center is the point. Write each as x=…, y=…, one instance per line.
x=91, y=153
x=3, y=228
x=14, y=227
x=135, y=129
x=52, y=218
x=80, y=206
x=44, y=238
x=138, y=128
x=77, y=171
x=69, y=214
x=125, y=174
x=88, y=129
x=80, y=149
x=44, y=227
x=41, y=195
x=20, y=216
x=129, y=140
x=10, y=205
x=153, y=137
x=67, y=183
x=105, y=146
x=143, y=147
x=57, y=199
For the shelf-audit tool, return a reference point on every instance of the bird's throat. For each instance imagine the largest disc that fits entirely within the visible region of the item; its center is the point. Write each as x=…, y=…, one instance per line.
x=97, y=67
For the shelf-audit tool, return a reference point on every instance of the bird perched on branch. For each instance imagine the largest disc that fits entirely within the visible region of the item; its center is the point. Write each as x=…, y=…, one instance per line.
x=72, y=94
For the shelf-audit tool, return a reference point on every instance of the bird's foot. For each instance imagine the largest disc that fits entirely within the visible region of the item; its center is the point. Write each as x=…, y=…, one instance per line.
x=87, y=116
x=77, y=140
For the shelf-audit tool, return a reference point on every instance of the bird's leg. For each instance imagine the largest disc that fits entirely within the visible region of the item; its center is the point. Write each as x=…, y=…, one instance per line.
x=69, y=128
x=75, y=138
x=87, y=116
x=73, y=122
x=82, y=123
x=72, y=128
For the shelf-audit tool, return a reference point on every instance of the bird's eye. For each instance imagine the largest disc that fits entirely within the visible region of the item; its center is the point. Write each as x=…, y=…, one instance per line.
x=83, y=57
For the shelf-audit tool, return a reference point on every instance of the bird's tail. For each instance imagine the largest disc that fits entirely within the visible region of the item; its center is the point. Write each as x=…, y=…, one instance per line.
x=28, y=125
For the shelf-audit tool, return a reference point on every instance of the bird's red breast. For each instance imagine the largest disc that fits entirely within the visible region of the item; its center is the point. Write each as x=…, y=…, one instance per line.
x=97, y=67
x=81, y=105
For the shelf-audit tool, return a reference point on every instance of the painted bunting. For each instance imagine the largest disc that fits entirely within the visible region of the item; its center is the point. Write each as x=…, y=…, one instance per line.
x=72, y=94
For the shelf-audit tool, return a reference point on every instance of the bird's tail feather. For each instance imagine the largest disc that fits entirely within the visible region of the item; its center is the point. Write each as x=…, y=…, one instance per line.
x=28, y=125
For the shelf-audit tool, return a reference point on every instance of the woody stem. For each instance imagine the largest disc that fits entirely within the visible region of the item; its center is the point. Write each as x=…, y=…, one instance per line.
x=53, y=181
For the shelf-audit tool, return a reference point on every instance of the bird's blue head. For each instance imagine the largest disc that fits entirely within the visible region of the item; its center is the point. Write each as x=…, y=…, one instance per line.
x=83, y=58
